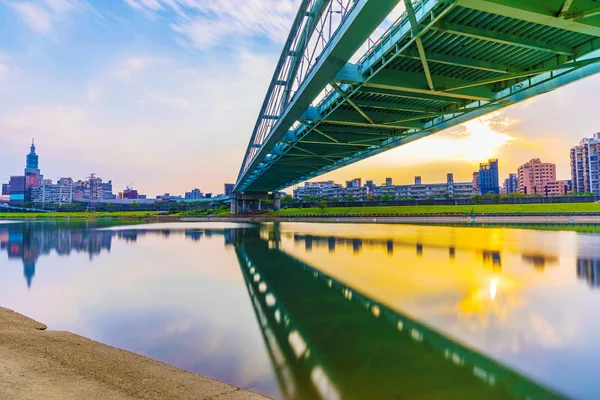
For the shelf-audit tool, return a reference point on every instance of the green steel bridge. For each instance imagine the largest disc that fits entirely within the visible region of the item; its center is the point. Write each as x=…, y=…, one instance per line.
x=338, y=97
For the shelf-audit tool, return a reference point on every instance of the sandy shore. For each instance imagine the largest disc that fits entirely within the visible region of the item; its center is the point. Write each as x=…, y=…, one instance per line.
x=40, y=364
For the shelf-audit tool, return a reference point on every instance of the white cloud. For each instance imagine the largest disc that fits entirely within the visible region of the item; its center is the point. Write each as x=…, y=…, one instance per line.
x=35, y=16
x=62, y=122
x=3, y=68
x=62, y=6
x=129, y=66
x=173, y=102
x=40, y=16
x=93, y=93
x=206, y=23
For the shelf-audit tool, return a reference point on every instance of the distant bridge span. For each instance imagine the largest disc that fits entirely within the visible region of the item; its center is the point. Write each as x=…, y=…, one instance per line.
x=442, y=63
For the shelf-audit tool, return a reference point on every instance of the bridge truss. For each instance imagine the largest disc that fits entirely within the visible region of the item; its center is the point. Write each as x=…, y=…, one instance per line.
x=440, y=64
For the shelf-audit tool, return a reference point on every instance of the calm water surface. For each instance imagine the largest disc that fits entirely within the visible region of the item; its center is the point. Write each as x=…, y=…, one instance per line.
x=313, y=311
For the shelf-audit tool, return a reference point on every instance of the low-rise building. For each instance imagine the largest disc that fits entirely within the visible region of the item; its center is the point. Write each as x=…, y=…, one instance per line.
x=195, y=194
x=537, y=177
x=421, y=191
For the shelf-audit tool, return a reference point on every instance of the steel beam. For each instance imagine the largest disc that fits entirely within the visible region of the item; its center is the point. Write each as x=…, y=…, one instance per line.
x=463, y=62
x=574, y=64
x=394, y=106
x=409, y=95
x=349, y=144
x=537, y=12
x=411, y=82
x=502, y=38
x=584, y=14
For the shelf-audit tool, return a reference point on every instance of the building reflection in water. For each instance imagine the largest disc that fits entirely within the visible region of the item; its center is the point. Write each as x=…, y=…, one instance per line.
x=588, y=269
x=31, y=240
x=539, y=261
x=492, y=258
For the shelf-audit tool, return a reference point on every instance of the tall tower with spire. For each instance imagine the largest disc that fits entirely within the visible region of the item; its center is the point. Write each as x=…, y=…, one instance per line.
x=31, y=165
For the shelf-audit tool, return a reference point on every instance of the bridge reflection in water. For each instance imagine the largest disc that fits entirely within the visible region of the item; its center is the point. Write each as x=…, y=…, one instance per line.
x=327, y=340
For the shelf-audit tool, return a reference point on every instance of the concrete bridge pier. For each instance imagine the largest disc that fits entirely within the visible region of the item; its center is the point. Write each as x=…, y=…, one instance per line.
x=276, y=201
x=248, y=202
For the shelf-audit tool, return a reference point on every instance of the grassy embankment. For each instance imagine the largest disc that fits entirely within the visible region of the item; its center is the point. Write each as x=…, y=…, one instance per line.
x=479, y=209
x=78, y=215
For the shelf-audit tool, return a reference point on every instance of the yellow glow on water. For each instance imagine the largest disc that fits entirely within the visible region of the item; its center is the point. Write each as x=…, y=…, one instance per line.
x=466, y=280
x=493, y=288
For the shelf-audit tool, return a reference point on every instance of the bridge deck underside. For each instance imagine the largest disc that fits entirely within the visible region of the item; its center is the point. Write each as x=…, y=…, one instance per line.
x=459, y=61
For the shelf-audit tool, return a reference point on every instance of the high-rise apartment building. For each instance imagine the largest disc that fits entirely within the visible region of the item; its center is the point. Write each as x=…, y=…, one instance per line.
x=511, y=184
x=585, y=167
x=533, y=176
x=488, y=177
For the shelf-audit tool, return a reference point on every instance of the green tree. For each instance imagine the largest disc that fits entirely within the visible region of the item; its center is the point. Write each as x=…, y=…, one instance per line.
x=350, y=198
x=477, y=198
x=385, y=197
x=322, y=205
x=287, y=199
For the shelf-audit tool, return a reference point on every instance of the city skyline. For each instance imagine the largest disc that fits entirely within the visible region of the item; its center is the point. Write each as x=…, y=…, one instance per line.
x=152, y=99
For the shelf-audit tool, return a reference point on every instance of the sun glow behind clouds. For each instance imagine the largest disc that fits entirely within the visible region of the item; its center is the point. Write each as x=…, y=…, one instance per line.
x=474, y=141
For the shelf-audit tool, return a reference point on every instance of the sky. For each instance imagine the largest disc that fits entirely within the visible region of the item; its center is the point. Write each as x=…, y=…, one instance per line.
x=163, y=95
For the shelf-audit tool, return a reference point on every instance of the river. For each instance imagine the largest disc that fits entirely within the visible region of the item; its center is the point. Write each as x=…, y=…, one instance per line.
x=325, y=311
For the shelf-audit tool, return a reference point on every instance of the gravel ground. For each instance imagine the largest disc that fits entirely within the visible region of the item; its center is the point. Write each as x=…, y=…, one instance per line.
x=40, y=364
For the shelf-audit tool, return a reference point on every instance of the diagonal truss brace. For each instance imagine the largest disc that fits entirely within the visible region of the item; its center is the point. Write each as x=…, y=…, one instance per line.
x=415, y=31
x=353, y=104
x=565, y=8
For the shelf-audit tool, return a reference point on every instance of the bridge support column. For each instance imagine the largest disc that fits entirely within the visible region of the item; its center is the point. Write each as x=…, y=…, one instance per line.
x=247, y=202
x=234, y=203
x=277, y=201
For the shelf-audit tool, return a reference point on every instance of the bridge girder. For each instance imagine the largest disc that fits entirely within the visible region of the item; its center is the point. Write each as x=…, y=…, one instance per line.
x=434, y=68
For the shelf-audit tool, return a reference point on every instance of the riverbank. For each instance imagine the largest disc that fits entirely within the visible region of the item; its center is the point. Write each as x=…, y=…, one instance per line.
x=36, y=363
x=412, y=220
x=546, y=208
x=83, y=215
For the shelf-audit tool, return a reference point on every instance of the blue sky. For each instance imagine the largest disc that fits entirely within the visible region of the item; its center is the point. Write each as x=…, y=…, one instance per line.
x=164, y=94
